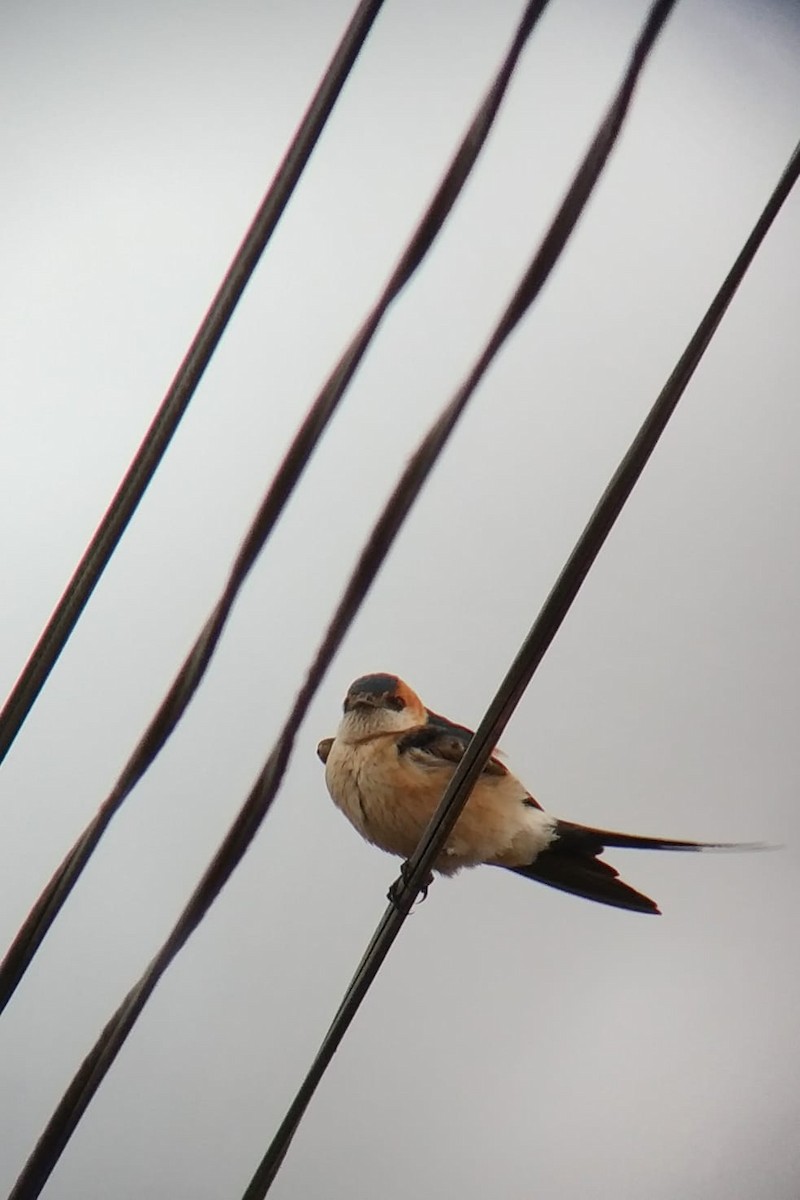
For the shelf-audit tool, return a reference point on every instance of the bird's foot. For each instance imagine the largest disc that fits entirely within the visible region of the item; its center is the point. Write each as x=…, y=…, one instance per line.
x=395, y=893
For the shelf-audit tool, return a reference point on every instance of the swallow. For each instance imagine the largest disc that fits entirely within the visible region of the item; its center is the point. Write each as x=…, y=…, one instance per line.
x=389, y=766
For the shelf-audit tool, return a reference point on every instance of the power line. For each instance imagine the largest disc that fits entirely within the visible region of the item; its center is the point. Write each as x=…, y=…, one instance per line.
x=135, y=482
x=92, y=1071
x=516, y=681
x=48, y=905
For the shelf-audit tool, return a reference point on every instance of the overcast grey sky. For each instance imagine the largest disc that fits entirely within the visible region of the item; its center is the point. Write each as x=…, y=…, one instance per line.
x=519, y=1041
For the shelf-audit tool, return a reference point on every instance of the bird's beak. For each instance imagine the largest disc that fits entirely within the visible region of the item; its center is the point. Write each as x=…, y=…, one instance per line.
x=360, y=700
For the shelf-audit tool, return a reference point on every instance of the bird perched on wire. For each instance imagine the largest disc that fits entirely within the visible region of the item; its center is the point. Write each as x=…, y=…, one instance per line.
x=387, y=770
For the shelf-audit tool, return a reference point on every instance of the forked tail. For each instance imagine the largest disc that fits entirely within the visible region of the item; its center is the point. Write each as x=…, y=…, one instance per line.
x=572, y=863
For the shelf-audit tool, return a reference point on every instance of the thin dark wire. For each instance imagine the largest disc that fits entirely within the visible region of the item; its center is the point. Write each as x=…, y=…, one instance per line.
x=50, y=902
x=94, y=1067
x=515, y=682
x=133, y=486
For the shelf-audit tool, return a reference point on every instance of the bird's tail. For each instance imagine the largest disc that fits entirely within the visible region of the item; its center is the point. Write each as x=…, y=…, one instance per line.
x=594, y=841
x=572, y=863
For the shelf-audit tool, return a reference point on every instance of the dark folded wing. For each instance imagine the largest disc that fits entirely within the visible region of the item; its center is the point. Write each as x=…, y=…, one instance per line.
x=586, y=876
x=442, y=742
x=324, y=749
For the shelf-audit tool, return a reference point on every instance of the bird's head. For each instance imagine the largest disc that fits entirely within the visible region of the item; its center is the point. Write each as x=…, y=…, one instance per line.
x=380, y=704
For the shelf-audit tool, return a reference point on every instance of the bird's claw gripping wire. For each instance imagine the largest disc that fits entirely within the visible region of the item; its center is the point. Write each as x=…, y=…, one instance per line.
x=394, y=895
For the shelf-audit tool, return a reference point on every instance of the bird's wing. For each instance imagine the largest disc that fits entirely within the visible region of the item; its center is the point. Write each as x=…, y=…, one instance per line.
x=441, y=747
x=324, y=749
x=587, y=876
x=442, y=742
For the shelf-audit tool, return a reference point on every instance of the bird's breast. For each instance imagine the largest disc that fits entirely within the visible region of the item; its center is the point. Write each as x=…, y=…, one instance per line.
x=365, y=782
x=390, y=799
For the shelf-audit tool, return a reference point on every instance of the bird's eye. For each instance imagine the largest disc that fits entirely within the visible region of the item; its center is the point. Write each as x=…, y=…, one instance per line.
x=396, y=703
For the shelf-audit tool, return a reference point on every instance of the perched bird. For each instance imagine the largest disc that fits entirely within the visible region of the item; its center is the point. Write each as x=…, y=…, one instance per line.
x=387, y=770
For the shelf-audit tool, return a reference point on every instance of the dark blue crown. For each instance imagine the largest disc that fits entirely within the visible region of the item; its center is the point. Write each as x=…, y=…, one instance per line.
x=373, y=685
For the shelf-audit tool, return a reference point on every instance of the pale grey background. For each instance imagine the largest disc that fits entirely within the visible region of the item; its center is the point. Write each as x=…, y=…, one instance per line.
x=519, y=1042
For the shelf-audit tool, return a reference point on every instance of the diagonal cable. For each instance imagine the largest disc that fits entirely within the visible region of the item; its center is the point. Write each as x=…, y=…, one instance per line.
x=516, y=680
x=94, y=1067
x=41, y=917
x=137, y=478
